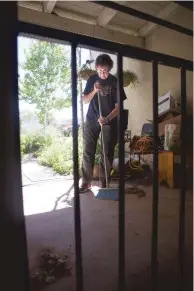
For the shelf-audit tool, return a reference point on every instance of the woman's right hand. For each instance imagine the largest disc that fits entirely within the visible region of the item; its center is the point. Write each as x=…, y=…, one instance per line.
x=97, y=87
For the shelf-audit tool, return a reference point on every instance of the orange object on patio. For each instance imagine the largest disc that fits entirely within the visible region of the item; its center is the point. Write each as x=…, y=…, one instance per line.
x=166, y=168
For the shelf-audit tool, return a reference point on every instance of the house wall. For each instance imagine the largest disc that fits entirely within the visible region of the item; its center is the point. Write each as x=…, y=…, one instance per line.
x=169, y=42
x=174, y=43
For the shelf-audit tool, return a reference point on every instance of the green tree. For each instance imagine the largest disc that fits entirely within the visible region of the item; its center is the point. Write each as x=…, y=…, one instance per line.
x=47, y=78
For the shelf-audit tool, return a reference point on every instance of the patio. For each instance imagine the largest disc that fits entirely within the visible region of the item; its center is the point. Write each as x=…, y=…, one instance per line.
x=50, y=222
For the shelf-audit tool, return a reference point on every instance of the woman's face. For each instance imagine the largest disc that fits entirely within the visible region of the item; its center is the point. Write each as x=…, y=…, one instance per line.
x=103, y=72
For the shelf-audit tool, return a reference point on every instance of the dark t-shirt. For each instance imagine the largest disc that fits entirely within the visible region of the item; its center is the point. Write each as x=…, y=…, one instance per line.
x=108, y=97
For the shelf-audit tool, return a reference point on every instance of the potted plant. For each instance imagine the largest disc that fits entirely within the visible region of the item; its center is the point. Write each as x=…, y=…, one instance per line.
x=130, y=78
x=96, y=170
x=86, y=71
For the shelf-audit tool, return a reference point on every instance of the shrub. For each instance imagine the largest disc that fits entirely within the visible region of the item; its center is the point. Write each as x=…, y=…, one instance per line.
x=59, y=155
x=116, y=152
x=36, y=142
x=33, y=143
x=98, y=152
x=55, y=156
x=22, y=145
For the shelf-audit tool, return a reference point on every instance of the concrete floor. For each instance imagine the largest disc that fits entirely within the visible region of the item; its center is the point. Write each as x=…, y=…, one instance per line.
x=55, y=228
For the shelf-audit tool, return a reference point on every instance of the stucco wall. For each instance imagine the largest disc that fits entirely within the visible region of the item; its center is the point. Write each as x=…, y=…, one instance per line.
x=139, y=101
x=174, y=43
x=164, y=41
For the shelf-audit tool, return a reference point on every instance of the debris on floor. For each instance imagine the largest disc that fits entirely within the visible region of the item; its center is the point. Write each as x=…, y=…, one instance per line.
x=135, y=190
x=51, y=266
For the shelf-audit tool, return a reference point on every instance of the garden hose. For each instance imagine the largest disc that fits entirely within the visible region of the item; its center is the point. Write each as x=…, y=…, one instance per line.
x=142, y=146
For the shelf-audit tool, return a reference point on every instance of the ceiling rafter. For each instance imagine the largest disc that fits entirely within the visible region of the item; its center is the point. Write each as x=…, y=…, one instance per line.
x=77, y=17
x=48, y=6
x=185, y=4
x=106, y=16
x=62, y=23
x=163, y=14
x=92, y=20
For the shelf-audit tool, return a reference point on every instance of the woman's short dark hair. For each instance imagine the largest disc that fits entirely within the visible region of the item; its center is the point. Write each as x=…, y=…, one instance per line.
x=104, y=61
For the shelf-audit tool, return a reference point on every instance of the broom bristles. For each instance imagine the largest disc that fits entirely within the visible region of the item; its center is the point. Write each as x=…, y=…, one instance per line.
x=108, y=194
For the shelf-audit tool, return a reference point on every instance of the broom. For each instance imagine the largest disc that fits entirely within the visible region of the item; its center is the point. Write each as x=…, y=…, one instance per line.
x=105, y=193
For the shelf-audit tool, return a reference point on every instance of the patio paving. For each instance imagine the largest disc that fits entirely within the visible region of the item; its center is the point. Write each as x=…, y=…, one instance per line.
x=49, y=211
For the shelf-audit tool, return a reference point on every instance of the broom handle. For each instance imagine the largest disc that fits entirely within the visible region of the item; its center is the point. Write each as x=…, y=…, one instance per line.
x=103, y=147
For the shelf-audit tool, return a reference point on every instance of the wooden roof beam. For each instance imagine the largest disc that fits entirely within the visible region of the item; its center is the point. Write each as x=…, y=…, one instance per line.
x=48, y=6
x=163, y=14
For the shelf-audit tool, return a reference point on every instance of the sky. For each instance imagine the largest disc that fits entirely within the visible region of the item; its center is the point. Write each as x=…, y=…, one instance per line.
x=23, y=44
